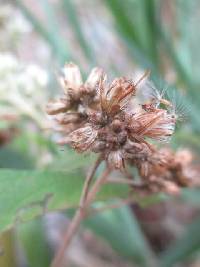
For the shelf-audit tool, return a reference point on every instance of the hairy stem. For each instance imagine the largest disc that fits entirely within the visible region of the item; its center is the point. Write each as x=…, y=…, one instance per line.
x=79, y=216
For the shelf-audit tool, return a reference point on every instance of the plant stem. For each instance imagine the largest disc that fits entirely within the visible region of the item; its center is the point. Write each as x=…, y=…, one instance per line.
x=97, y=185
x=80, y=213
x=89, y=180
x=68, y=236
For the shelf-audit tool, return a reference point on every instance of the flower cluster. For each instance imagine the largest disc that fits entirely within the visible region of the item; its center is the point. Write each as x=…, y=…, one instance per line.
x=101, y=117
x=97, y=116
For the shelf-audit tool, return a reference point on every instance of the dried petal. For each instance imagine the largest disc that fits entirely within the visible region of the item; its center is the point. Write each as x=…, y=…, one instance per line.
x=156, y=125
x=72, y=77
x=98, y=146
x=55, y=107
x=115, y=159
x=82, y=138
x=117, y=95
x=94, y=78
x=67, y=118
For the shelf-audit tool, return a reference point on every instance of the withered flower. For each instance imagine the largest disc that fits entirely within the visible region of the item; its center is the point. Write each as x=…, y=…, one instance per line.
x=97, y=118
x=78, y=98
x=168, y=171
x=75, y=91
x=100, y=117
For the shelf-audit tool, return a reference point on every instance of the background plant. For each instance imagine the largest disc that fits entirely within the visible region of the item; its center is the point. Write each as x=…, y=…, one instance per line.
x=120, y=36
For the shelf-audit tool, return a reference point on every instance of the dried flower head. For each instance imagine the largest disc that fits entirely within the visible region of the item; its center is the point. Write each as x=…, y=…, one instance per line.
x=167, y=171
x=96, y=117
x=78, y=98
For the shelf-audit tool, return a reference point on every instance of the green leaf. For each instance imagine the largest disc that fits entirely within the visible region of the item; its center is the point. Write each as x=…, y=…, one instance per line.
x=13, y=158
x=136, y=22
x=185, y=76
x=151, y=21
x=191, y=195
x=187, y=245
x=27, y=194
x=121, y=230
x=117, y=8
x=34, y=243
x=69, y=157
x=132, y=26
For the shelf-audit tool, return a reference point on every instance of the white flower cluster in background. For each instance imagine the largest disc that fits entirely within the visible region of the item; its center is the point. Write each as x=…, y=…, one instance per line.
x=22, y=87
x=12, y=26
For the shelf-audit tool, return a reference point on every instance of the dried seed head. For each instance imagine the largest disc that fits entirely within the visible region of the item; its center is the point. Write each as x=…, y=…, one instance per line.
x=115, y=97
x=82, y=139
x=158, y=124
x=96, y=118
x=79, y=99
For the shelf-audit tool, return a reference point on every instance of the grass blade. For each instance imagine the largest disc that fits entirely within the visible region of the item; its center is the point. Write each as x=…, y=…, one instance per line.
x=56, y=47
x=71, y=13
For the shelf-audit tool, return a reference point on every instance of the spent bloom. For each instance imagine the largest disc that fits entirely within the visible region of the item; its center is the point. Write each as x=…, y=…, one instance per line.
x=98, y=116
x=168, y=171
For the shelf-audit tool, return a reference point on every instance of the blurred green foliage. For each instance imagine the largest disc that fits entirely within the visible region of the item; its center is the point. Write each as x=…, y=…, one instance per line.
x=149, y=40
